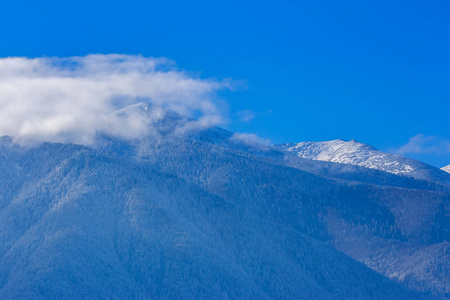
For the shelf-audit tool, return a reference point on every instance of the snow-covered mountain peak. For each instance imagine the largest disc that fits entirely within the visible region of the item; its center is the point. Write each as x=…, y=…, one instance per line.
x=325, y=151
x=446, y=169
x=355, y=153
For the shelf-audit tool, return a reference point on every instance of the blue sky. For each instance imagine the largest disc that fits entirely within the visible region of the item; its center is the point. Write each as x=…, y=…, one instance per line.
x=374, y=71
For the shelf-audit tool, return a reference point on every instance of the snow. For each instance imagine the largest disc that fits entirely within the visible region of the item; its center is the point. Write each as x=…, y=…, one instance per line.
x=359, y=154
x=446, y=169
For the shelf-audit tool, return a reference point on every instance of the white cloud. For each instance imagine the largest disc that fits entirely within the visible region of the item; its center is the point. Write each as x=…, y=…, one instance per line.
x=245, y=115
x=72, y=99
x=420, y=144
x=250, y=138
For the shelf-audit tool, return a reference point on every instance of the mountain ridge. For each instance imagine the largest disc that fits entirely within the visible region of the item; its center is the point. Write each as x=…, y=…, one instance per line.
x=356, y=153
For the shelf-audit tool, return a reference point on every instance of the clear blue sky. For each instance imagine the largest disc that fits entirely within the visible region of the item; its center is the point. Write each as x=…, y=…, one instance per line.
x=374, y=71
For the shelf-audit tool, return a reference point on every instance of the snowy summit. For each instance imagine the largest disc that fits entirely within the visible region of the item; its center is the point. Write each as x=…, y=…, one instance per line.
x=360, y=154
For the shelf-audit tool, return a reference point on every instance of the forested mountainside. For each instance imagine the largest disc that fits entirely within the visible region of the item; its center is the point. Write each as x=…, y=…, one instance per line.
x=77, y=222
x=202, y=213
x=391, y=229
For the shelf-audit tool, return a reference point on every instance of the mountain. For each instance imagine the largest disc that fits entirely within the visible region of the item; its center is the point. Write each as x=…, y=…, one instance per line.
x=359, y=154
x=116, y=221
x=392, y=223
x=391, y=229
x=198, y=212
x=446, y=169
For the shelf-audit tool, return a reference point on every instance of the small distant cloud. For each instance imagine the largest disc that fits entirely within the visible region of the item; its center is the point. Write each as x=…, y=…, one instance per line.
x=248, y=115
x=245, y=115
x=250, y=138
x=421, y=144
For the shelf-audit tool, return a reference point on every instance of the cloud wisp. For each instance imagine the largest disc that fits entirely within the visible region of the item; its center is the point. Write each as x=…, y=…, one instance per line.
x=73, y=99
x=250, y=138
x=421, y=144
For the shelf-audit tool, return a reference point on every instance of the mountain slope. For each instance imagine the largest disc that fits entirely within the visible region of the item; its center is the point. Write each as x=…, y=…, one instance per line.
x=382, y=222
x=355, y=153
x=82, y=223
